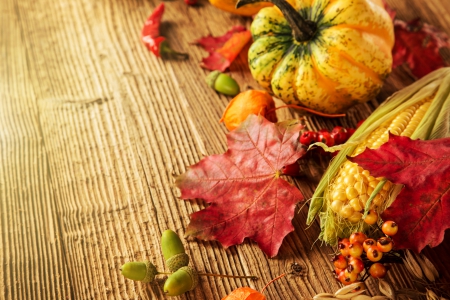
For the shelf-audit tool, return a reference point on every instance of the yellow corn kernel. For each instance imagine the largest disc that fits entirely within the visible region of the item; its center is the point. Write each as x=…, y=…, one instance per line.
x=351, y=192
x=355, y=217
x=339, y=195
x=373, y=184
x=364, y=198
x=360, y=177
x=349, y=180
x=336, y=206
x=415, y=120
x=346, y=211
x=356, y=204
x=361, y=187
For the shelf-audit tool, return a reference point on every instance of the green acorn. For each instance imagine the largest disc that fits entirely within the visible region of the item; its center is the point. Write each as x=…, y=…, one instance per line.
x=143, y=271
x=223, y=83
x=183, y=280
x=173, y=251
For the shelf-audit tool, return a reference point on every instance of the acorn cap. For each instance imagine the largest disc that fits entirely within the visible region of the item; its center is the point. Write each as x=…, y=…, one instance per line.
x=182, y=281
x=211, y=78
x=177, y=261
x=143, y=271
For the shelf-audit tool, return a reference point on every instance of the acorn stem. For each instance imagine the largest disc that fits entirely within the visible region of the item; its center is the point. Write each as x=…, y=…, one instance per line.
x=302, y=29
x=164, y=273
x=227, y=276
x=275, y=279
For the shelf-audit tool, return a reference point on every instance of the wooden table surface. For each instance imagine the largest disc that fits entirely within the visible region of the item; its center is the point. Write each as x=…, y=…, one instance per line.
x=93, y=129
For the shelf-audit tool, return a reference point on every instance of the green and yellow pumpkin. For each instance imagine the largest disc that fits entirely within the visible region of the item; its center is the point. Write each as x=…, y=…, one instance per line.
x=327, y=55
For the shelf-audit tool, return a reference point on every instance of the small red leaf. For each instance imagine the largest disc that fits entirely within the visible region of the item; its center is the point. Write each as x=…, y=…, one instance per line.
x=224, y=49
x=417, y=44
x=247, y=195
x=422, y=208
x=211, y=44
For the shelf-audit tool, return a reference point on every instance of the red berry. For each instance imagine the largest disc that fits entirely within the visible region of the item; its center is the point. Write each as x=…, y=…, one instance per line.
x=322, y=130
x=350, y=132
x=291, y=170
x=385, y=244
x=339, y=137
x=355, y=249
x=350, y=275
x=369, y=243
x=343, y=247
x=326, y=138
x=339, y=261
x=374, y=254
x=338, y=271
x=372, y=217
x=389, y=228
x=339, y=134
x=377, y=270
x=308, y=137
x=360, y=123
x=342, y=279
x=190, y=2
x=338, y=129
x=356, y=263
x=358, y=237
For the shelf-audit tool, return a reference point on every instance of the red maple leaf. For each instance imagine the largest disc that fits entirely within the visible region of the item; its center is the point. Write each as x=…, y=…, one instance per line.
x=417, y=44
x=247, y=195
x=422, y=208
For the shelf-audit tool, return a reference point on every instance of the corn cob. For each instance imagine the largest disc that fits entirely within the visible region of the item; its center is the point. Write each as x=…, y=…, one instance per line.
x=421, y=110
x=353, y=185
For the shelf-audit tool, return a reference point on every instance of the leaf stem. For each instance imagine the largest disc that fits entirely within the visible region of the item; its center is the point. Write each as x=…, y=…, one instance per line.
x=228, y=276
x=275, y=279
x=315, y=112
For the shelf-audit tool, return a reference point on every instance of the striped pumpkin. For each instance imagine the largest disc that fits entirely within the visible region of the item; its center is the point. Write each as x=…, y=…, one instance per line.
x=323, y=54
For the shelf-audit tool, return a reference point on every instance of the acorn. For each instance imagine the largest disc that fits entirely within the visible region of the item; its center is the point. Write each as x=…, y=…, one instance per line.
x=143, y=271
x=173, y=251
x=223, y=83
x=183, y=280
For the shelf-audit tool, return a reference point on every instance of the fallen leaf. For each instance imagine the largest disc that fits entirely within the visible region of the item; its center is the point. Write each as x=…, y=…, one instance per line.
x=248, y=197
x=421, y=209
x=224, y=49
x=245, y=293
x=417, y=44
x=211, y=43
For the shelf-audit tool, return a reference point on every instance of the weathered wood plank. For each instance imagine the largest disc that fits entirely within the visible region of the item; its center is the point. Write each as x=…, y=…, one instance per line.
x=102, y=127
x=32, y=255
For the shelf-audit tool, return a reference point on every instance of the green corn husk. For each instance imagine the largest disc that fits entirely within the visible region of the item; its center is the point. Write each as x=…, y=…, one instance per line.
x=435, y=124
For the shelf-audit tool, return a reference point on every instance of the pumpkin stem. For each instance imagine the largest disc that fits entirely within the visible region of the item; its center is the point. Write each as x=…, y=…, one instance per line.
x=302, y=30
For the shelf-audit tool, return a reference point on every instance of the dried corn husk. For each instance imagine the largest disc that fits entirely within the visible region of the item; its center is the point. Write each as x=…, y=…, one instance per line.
x=420, y=266
x=386, y=289
x=433, y=125
x=432, y=295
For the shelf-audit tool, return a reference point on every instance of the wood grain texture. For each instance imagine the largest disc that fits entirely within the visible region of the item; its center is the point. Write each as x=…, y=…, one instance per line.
x=93, y=130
